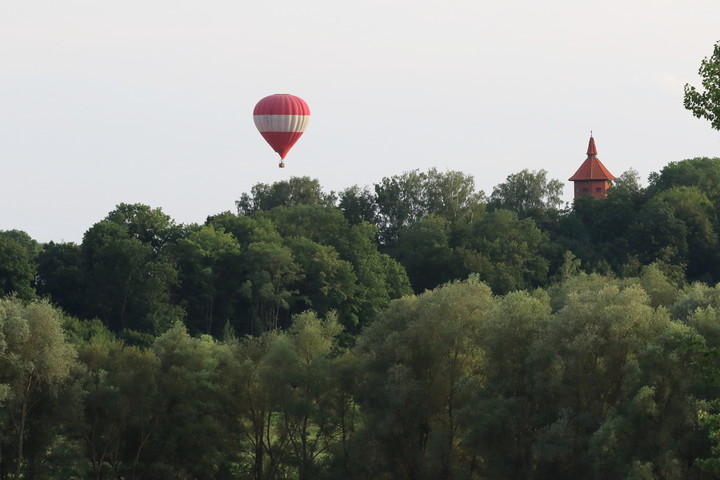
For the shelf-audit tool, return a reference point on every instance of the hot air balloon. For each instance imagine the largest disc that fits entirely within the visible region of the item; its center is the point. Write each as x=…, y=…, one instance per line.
x=281, y=119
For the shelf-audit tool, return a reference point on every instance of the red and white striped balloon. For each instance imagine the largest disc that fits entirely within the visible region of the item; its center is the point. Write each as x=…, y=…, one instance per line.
x=281, y=119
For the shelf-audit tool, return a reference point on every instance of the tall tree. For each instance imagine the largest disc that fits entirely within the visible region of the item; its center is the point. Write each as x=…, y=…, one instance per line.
x=328, y=283
x=295, y=191
x=678, y=226
x=508, y=252
x=424, y=250
x=248, y=404
x=421, y=369
x=128, y=281
x=209, y=278
x=149, y=225
x=35, y=363
x=299, y=373
x=61, y=277
x=17, y=270
x=404, y=199
x=611, y=367
x=504, y=417
x=528, y=194
x=358, y=205
x=701, y=172
x=379, y=277
x=270, y=275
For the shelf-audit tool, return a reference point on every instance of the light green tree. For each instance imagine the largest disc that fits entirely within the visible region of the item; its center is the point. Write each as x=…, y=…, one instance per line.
x=35, y=364
x=422, y=366
x=299, y=373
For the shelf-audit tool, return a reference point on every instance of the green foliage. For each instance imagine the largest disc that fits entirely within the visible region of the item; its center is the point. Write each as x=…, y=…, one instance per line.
x=705, y=103
x=677, y=226
x=421, y=365
x=593, y=378
x=528, y=194
x=35, y=368
x=405, y=199
x=424, y=250
x=295, y=191
x=149, y=225
x=328, y=284
x=128, y=280
x=358, y=205
x=702, y=173
x=207, y=261
x=271, y=272
x=16, y=269
x=379, y=277
x=509, y=252
x=592, y=359
x=61, y=276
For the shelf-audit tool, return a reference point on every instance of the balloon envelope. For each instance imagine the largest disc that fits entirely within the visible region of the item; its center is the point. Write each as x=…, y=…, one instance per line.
x=281, y=120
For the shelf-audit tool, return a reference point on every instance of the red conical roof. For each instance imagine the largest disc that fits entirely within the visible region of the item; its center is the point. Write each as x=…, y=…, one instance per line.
x=591, y=147
x=592, y=168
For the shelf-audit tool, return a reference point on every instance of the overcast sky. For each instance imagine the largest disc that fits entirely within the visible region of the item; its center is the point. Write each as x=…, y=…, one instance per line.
x=151, y=101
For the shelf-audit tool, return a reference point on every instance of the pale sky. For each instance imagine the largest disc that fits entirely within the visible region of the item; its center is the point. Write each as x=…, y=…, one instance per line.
x=104, y=102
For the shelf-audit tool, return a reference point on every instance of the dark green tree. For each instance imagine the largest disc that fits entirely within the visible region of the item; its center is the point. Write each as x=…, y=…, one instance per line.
x=677, y=226
x=17, y=269
x=128, y=282
x=61, y=277
x=246, y=230
x=270, y=275
x=379, y=277
x=424, y=250
x=358, y=205
x=209, y=278
x=328, y=283
x=507, y=252
x=149, y=225
x=702, y=173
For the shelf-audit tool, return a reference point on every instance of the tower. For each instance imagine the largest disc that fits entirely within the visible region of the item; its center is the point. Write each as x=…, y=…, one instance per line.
x=592, y=178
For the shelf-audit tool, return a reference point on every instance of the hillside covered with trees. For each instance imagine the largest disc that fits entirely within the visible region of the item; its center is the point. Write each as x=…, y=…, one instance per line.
x=417, y=328
x=291, y=247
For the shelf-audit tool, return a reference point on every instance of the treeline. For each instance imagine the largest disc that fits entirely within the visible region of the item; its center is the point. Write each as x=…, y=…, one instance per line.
x=317, y=334
x=292, y=247
x=595, y=377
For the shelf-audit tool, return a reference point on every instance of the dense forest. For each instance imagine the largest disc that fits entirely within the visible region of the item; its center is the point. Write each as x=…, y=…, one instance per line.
x=415, y=329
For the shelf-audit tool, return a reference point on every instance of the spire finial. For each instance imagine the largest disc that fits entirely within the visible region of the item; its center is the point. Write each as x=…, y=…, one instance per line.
x=592, y=151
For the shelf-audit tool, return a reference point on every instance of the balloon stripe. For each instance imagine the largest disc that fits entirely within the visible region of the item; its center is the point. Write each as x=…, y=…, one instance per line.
x=281, y=123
